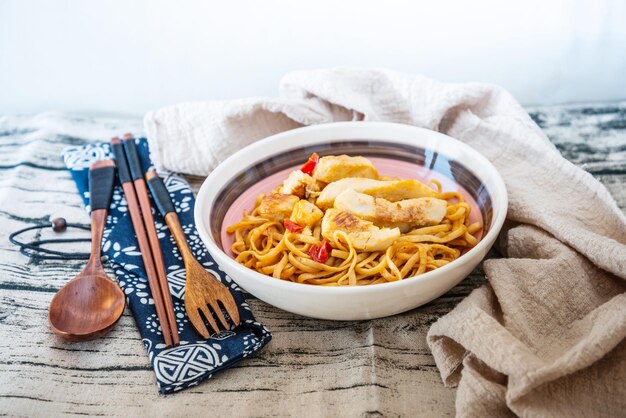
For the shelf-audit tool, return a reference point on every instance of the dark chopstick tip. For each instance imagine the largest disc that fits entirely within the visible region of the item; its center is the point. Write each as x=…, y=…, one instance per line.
x=151, y=174
x=128, y=136
x=115, y=140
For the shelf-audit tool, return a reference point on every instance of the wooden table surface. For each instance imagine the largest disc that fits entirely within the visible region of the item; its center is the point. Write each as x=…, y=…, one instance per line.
x=310, y=368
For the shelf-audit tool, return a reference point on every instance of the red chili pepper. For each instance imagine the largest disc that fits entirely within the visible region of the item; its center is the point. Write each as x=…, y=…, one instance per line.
x=292, y=226
x=321, y=253
x=309, y=166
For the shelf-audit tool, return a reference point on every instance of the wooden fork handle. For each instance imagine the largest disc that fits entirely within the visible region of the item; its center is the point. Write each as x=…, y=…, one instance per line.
x=159, y=193
x=166, y=207
x=173, y=223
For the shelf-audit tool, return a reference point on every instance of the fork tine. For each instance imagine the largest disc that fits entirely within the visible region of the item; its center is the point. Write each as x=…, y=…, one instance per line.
x=218, y=312
x=209, y=318
x=198, y=323
x=231, y=307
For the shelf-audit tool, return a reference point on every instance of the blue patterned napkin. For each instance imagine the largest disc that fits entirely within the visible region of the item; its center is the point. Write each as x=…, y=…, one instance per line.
x=195, y=359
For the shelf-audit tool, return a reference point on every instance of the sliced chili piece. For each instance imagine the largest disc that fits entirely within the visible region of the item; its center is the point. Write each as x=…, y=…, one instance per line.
x=309, y=166
x=313, y=252
x=324, y=251
x=321, y=253
x=291, y=226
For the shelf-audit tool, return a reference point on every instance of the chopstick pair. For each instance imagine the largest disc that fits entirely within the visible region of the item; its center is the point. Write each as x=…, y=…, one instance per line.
x=131, y=176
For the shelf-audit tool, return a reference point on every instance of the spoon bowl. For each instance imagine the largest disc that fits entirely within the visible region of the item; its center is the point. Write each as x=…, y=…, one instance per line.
x=87, y=307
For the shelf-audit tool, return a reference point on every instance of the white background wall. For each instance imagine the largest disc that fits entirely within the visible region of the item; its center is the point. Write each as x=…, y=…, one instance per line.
x=131, y=56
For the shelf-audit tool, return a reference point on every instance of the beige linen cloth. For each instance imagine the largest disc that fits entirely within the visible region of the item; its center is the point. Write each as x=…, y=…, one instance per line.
x=546, y=336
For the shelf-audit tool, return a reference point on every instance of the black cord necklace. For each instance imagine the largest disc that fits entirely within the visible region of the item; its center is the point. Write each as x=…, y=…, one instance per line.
x=34, y=250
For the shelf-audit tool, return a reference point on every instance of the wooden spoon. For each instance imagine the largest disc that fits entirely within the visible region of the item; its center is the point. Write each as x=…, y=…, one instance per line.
x=90, y=304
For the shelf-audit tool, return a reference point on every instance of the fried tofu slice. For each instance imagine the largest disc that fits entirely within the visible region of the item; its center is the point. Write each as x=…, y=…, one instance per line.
x=363, y=235
x=299, y=184
x=333, y=168
x=277, y=206
x=391, y=190
x=404, y=214
x=306, y=213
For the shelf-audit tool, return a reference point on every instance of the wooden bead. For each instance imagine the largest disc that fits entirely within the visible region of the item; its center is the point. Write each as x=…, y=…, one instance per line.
x=59, y=224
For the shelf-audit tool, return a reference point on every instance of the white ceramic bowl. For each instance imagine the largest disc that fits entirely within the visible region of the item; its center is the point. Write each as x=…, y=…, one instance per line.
x=446, y=156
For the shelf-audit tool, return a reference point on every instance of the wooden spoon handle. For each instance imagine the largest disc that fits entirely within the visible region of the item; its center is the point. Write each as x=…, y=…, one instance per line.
x=98, y=221
x=101, y=179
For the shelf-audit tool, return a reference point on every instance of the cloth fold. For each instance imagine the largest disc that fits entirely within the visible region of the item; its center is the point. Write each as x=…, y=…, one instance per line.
x=546, y=335
x=195, y=359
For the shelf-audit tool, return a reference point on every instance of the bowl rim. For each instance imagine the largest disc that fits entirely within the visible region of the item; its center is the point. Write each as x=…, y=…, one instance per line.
x=500, y=205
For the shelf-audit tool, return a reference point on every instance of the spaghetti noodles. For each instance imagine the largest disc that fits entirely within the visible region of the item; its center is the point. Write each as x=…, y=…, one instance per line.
x=308, y=250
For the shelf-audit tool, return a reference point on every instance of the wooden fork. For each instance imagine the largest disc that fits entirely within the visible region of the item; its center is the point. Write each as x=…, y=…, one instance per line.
x=203, y=291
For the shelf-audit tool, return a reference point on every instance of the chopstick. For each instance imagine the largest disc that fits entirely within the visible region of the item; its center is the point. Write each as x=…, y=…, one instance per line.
x=137, y=174
x=138, y=226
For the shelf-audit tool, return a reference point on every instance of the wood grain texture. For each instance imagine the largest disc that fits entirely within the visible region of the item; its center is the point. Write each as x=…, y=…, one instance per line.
x=311, y=367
